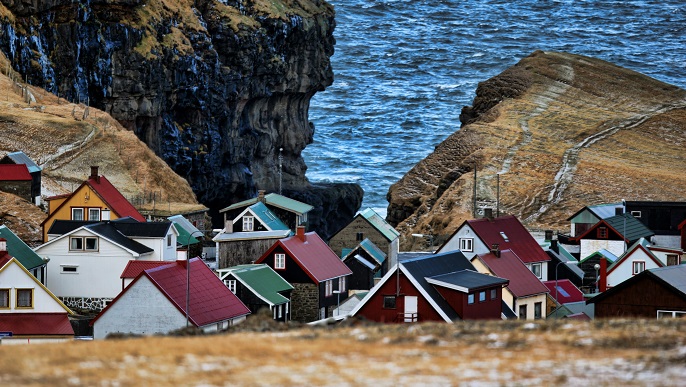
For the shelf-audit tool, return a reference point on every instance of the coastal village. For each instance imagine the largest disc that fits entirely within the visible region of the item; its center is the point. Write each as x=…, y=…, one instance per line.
x=104, y=269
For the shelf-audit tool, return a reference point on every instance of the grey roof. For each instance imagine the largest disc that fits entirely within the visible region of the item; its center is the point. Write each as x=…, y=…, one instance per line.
x=563, y=258
x=420, y=268
x=61, y=227
x=108, y=231
x=466, y=281
x=251, y=235
x=184, y=223
x=606, y=210
x=22, y=158
x=675, y=276
x=630, y=227
x=275, y=200
x=143, y=229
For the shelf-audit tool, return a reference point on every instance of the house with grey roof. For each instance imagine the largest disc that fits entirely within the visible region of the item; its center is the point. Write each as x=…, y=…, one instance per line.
x=367, y=224
x=613, y=234
x=34, y=170
x=259, y=287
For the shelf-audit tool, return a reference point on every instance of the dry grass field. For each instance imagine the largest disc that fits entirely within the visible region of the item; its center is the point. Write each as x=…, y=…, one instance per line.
x=601, y=353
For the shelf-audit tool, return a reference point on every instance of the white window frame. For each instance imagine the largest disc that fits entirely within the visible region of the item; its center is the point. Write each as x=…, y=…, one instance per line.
x=71, y=243
x=540, y=270
x=63, y=267
x=341, y=284
x=94, y=210
x=248, y=223
x=671, y=314
x=74, y=210
x=637, y=264
x=169, y=240
x=231, y=284
x=466, y=244
x=279, y=261
x=328, y=288
x=636, y=214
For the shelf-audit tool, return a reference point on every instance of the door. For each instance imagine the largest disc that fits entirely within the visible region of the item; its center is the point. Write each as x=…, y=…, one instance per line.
x=410, y=309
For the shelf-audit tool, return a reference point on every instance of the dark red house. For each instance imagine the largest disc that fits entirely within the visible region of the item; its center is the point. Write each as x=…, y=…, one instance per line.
x=318, y=275
x=440, y=287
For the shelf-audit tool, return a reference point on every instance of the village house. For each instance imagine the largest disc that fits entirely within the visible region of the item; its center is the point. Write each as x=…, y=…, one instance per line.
x=368, y=224
x=155, y=302
x=259, y=287
x=24, y=254
x=96, y=199
x=368, y=264
x=613, y=234
x=20, y=158
x=318, y=276
x=662, y=218
x=636, y=259
x=29, y=312
x=16, y=179
x=290, y=211
x=591, y=268
x=434, y=287
x=86, y=258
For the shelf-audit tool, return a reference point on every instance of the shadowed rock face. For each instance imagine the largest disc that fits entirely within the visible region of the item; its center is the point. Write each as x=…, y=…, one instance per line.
x=216, y=89
x=561, y=131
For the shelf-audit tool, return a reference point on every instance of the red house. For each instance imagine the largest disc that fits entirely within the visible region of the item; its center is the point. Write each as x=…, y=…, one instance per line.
x=317, y=274
x=437, y=287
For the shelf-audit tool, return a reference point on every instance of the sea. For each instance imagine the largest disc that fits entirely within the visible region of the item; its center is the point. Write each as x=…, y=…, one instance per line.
x=403, y=70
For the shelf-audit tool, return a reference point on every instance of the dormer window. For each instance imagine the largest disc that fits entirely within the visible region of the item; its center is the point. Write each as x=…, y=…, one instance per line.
x=248, y=223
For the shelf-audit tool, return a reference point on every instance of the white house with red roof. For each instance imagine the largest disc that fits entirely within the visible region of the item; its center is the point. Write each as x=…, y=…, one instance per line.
x=29, y=312
x=318, y=275
x=155, y=302
x=480, y=236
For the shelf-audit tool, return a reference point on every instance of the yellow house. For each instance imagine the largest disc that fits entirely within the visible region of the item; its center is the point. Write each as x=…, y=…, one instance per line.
x=96, y=199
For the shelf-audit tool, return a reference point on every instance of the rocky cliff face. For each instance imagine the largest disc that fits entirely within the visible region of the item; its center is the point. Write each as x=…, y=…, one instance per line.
x=558, y=131
x=219, y=89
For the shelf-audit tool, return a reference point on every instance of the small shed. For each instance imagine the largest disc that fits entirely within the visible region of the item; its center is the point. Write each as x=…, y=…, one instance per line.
x=20, y=158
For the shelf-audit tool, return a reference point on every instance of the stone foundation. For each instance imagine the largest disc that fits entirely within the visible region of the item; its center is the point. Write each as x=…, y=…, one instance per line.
x=305, y=302
x=95, y=304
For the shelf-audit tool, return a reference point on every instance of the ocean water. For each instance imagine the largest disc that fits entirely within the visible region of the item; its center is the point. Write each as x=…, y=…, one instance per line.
x=404, y=70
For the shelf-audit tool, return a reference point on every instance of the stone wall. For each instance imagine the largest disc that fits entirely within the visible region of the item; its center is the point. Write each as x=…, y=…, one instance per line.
x=94, y=304
x=305, y=302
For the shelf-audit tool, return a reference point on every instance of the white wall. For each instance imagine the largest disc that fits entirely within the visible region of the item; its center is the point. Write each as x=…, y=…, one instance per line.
x=14, y=277
x=143, y=309
x=590, y=246
x=625, y=269
x=671, y=241
x=162, y=251
x=465, y=232
x=530, y=301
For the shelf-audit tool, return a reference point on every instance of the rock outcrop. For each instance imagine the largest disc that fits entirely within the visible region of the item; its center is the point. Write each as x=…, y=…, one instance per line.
x=560, y=131
x=220, y=90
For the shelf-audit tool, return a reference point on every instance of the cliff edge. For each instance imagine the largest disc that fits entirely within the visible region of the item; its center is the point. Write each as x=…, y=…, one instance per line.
x=561, y=131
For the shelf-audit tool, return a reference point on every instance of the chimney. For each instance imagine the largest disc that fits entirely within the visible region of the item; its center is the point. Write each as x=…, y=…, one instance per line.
x=553, y=246
x=300, y=233
x=488, y=213
x=94, y=173
x=495, y=249
x=548, y=235
x=260, y=195
x=602, y=281
x=228, y=226
x=3, y=244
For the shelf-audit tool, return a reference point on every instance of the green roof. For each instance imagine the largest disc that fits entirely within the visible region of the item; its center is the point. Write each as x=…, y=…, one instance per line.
x=267, y=217
x=373, y=250
x=184, y=238
x=262, y=280
x=274, y=200
x=630, y=227
x=380, y=224
x=20, y=250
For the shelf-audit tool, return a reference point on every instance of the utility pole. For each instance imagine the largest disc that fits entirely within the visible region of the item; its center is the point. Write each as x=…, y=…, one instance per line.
x=474, y=195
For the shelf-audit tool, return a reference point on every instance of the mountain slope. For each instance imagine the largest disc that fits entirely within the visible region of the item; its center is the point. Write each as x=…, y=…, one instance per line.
x=562, y=131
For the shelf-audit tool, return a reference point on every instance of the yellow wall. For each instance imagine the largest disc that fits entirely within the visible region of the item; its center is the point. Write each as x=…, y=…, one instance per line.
x=483, y=269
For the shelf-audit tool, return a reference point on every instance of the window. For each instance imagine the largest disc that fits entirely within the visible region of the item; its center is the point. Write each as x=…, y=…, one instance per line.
x=494, y=294
x=602, y=232
x=639, y=266
x=673, y=259
x=522, y=312
x=91, y=244
x=75, y=243
x=231, y=284
x=536, y=269
x=93, y=214
x=169, y=240
x=359, y=236
x=77, y=214
x=636, y=214
x=78, y=243
x=482, y=296
x=4, y=298
x=341, y=284
x=279, y=261
x=538, y=310
x=670, y=314
x=466, y=244
x=505, y=238
x=248, y=223
x=328, y=285
x=389, y=302
x=24, y=298
x=69, y=269
x=470, y=299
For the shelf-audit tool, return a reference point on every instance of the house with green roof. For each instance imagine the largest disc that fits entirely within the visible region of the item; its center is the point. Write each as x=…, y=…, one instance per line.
x=24, y=254
x=368, y=224
x=291, y=212
x=368, y=264
x=259, y=287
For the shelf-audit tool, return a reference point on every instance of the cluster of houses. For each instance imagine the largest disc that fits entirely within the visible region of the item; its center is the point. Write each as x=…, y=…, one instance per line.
x=99, y=254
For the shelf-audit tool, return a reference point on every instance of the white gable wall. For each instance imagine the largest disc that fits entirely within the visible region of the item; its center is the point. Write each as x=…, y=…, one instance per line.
x=14, y=277
x=162, y=252
x=624, y=270
x=143, y=309
x=465, y=232
x=590, y=246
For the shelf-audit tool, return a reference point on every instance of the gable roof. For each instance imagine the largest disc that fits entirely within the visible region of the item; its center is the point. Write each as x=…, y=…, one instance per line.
x=370, y=248
x=601, y=211
x=186, y=230
x=20, y=250
x=275, y=200
x=262, y=280
x=523, y=282
x=566, y=291
x=380, y=224
x=14, y=172
x=625, y=225
x=108, y=231
x=509, y=234
x=142, y=229
x=603, y=253
x=673, y=277
x=6, y=261
x=20, y=157
x=313, y=255
x=466, y=281
x=251, y=235
x=265, y=216
x=30, y=324
x=134, y=267
x=210, y=300
x=565, y=256
x=641, y=244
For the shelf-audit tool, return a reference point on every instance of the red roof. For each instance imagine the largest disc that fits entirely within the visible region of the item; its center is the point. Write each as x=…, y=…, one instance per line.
x=14, y=172
x=134, y=267
x=24, y=324
x=313, y=255
x=509, y=234
x=523, y=282
x=114, y=199
x=566, y=291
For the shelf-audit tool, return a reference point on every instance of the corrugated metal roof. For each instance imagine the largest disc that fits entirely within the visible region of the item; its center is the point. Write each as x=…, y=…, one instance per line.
x=509, y=234
x=632, y=229
x=564, y=258
x=380, y=224
x=21, y=158
x=603, y=252
x=33, y=324
x=143, y=229
x=566, y=291
x=641, y=244
x=14, y=172
x=275, y=200
x=606, y=210
x=470, y=280
x=267, y=217
x=108, y=231
x=185, y=229
x=263, y=281
x=135, y=267
x=250, y=235
x=113, y=198
x=523, y=282
x=20, y=250
x=675, y=276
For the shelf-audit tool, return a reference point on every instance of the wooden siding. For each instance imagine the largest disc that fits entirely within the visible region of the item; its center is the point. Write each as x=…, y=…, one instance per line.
x=642, y=298
x=489, y=309
x=362, y=277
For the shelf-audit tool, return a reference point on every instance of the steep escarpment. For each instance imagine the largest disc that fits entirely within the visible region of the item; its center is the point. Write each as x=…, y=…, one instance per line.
x=559, y=131
x=219, y=89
